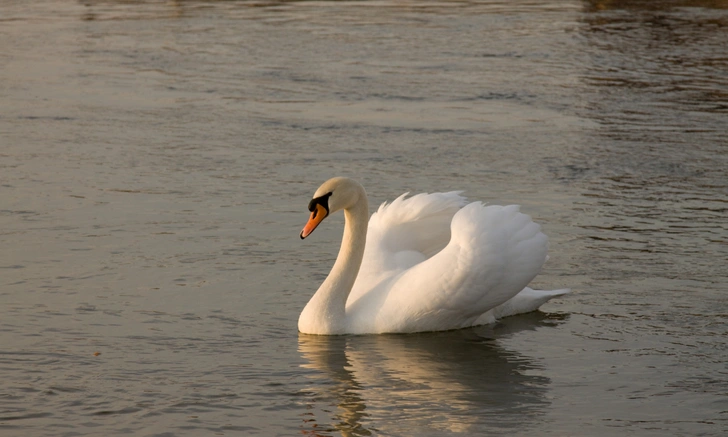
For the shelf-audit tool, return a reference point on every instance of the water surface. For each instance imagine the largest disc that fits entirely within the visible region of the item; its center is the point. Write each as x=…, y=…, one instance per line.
x=156, y=159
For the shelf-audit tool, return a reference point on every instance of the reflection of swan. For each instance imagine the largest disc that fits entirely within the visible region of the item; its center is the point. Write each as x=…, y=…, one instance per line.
x=425, y=384
x=431, y=263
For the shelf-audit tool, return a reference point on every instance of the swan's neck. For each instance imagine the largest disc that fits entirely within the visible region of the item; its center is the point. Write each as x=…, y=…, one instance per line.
x=325, y=313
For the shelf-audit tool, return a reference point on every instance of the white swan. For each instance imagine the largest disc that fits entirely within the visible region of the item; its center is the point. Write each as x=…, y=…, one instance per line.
x=431, y=262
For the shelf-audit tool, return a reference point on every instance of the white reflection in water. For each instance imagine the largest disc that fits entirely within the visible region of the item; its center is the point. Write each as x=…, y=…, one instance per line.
x=454, y=382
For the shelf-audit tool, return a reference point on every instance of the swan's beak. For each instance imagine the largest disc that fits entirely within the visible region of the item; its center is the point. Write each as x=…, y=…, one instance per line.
x=318, y=214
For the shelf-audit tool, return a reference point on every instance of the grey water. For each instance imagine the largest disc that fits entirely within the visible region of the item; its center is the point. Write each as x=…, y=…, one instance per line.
x=157, y=157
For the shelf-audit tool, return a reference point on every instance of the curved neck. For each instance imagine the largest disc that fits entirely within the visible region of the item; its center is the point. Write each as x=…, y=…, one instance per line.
x=325, y=313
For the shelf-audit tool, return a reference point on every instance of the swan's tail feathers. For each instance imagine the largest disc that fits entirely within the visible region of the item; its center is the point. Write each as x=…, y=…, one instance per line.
x=526, y=301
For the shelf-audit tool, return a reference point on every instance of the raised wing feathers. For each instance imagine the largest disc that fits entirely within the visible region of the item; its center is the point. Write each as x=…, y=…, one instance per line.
x=404, y=233
x=420, y=223
x=492, y=254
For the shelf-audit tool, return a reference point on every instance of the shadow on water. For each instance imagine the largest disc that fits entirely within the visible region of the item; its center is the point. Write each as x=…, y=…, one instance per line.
x=422, y=384
x=651, y=168
x=651, y=5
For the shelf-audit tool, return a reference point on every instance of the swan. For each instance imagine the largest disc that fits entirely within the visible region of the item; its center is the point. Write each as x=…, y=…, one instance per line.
x=430, y=262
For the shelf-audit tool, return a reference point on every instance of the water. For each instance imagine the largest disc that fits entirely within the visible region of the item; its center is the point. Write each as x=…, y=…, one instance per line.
x=156, y=161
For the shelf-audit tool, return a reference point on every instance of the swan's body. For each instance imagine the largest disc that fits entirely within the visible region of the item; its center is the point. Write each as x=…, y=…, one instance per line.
x=431, y=262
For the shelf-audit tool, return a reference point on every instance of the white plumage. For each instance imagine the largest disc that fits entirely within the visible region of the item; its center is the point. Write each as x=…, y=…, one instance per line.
x=430, y=262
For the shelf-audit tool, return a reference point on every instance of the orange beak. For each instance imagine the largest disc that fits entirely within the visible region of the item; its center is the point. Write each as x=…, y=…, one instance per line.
x=317, y=216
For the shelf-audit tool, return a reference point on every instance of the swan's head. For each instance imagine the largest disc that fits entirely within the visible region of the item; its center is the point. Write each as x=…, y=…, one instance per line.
x=333, y=195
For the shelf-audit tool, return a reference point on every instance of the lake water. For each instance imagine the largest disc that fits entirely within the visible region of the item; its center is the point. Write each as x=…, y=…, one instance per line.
x=156, y=160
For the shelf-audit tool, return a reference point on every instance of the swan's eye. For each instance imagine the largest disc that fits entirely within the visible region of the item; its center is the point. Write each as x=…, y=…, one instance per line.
x=322, y=200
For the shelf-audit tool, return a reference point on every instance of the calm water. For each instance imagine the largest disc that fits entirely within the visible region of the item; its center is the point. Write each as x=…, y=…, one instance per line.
x=156, y=160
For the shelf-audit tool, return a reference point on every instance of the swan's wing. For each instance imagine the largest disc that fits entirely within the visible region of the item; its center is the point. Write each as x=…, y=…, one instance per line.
x=420, y=223
x=494, y=252
x=404, y=233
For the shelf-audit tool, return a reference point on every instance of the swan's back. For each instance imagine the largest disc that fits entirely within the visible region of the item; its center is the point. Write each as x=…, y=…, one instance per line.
x=431, y=265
